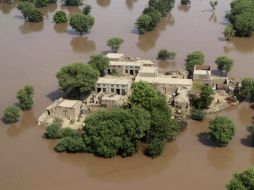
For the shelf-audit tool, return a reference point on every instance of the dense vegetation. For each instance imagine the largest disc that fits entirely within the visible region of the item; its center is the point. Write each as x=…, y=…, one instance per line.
x=197, y=114
x=241, y=17
x=72, y=2
x=35, y=16
x=222, y=130
x=195, y=58
x=77, y=78
x=99, y=62
x=81, y=23
x=119, y=131
x=242, y=181
x=60, y=17
x=247, y=88
x=115, y=43
x=11, y=114
x=152, y=14
x=25, y=97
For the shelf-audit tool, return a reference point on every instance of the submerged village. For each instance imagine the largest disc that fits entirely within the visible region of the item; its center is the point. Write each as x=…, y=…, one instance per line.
x=113, y=90
x=187, y=121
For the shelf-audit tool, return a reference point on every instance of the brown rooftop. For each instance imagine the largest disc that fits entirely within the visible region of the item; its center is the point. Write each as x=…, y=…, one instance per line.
x=203, y=67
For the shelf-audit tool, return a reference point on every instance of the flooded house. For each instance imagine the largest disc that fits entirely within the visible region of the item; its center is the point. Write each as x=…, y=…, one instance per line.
x=202, y=73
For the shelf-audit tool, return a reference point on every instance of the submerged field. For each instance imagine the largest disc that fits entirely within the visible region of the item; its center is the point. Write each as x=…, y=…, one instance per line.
x=33, y=53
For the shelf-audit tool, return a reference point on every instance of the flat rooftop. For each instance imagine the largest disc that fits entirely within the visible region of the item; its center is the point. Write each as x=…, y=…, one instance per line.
x=146, y=62
x=203, y=67
x=68, y=103
x=114, y=80
x=125, y=63
x=165, y=80
x=148, y=70
x=115, y=55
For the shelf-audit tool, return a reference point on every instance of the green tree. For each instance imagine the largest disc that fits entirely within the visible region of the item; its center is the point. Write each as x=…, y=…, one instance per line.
x=70, y=144
x=144, y=23
x=77, y=77
x=11, y=114
x=242, y=181
x=35, y=16
x=81, y=23
x=213, y=4
x=26, y=8
x=185, y=2
x=53, y=131
x=206, y=97
x=25, y=97
x=229, y=32
x=40, y=3
x=244, y=24
x=115, y=43
x=155, y=16
x=247, y=88
x=68, y=132
x=222, y=130
x=99, y=62
x=224, y=63
x=87, y=9
x=117, y=131
x=197, y=114
x=60, y=17
x=155, y=148
x=195, y=58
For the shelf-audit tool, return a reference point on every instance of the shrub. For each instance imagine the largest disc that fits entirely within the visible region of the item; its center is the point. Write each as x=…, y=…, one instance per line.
x=68, y=132
x=72, y=2
x=229, y=32
x=25, y=97
x=11, y=114
x=242, y=181
x=40, y=3
x=35, y=16
x=222, y=130
x=155, y=148
x=60, y=17
x=26, y=8
x=87, y=9
x=70, y=144
x=165, y=54
x=81, y=23
x=197, y=114
x=53, y=131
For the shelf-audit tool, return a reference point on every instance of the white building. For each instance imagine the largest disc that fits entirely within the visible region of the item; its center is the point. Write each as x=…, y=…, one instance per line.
x=202, y=72
x=117, y=85
x=115, y=56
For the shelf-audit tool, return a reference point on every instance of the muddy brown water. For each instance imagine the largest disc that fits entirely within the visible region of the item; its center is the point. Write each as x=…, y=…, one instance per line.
x=33, y=53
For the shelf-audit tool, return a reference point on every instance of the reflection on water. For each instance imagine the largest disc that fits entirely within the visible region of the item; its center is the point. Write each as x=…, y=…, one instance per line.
x=82, y=44
x=184, y=8
x=130, y=3
x=220, y=158
x=103, y=3
x=7, y=7
x=148, y=40
x=60, y=28
x=27, y=121
x=213, y=17
x=121, y=169
x=28, y=27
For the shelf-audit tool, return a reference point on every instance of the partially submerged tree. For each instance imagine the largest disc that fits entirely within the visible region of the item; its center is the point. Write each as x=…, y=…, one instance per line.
x=81, y=23
x=229, y=32
x=165, y=54
x=26, y=8
x=155, y=148
x=197, y=114
x=247, y=88
x=195, y=58
x=11, y=114
x=72, y=2
x=77, y=77
x=224, y=63
x=87, y=9
x=115, y=43
x=222, y=130
x=60, y=17
x=40, y=3
x=25, y=97
x=99, y=62
x=242, y=181
x=213, y=4
x=206, y=97
x=35, y=16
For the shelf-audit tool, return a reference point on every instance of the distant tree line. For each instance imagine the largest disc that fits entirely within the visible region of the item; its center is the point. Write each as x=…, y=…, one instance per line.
x=152, y=14
x=241, y=17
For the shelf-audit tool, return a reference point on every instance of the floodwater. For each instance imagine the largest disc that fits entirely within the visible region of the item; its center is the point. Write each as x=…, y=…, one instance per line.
x=33, y=53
